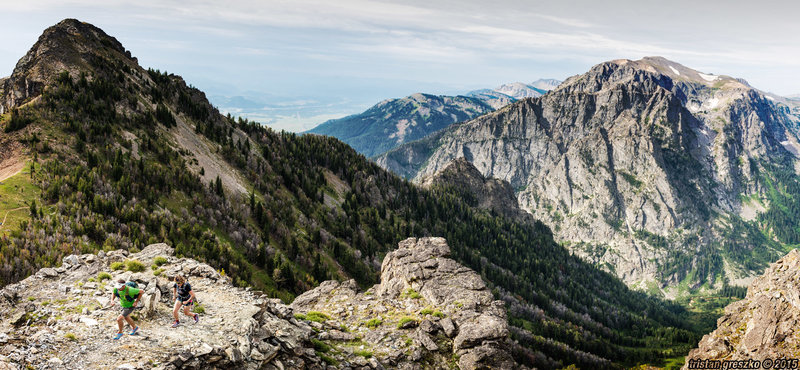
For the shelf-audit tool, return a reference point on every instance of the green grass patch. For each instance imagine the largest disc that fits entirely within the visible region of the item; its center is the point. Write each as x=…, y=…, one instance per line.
x=426, y=311
x=160, y=261
x=317, y=316
x=363, y=353
x=328, y=359
x=439, y=314
x=103, y=276
x=16, y=194
x=373, y=323
x=116, y=266
x=404, y=321
x=198, y=308
x=320, y=346
x=71, y=337
x=411, y=293
x=134, y=266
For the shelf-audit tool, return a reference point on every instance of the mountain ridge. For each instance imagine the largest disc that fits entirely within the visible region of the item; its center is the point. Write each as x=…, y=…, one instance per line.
x=694, y=129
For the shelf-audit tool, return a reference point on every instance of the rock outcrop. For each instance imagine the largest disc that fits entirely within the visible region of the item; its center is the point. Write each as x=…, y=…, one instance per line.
x=764, y=324
x=427, y=312
x=491, y=194
x=58, y=319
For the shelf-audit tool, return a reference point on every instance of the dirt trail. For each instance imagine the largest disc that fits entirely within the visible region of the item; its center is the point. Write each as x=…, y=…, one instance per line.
x=6, y=216
x=12, y=163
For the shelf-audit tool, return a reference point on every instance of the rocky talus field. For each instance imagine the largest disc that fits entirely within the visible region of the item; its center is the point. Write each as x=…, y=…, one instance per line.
x=427, y=312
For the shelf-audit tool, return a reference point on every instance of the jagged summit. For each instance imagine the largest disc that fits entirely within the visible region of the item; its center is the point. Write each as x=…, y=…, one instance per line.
x=71, y=46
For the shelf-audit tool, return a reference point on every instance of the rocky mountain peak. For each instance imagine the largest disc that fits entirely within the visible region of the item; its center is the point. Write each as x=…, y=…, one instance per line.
x=486, y=193
x=763, y=325
x=71, y=46
x=427, y=309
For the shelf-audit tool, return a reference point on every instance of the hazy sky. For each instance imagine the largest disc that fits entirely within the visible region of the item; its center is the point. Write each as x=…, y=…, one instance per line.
x=345, y=55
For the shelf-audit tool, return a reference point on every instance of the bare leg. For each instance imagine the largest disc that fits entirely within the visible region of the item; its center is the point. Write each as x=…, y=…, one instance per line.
x=176, y=309
x=119, y=323
x=130, y=322
x=187, y=312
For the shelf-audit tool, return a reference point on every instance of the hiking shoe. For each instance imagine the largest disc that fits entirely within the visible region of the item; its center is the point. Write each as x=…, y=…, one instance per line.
x=175, y=324
x=119, y=335
x=196, y=318
x=134, y=330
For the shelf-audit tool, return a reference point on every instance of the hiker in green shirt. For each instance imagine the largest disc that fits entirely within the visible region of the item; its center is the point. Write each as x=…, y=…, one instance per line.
x=128, y=299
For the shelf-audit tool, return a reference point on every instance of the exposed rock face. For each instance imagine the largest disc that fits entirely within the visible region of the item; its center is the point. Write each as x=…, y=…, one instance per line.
x=628, y=154
x=56, y=319
x=764, y=324
x=70, y=46
x=426, y=310
x=492, y=194
x=396, y=121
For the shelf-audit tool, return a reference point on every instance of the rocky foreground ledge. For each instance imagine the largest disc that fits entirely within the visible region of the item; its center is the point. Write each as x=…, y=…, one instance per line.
x=763, y=326
x=427, y=312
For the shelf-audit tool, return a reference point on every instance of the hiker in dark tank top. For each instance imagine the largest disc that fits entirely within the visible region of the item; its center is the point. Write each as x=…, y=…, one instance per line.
x=184, y=297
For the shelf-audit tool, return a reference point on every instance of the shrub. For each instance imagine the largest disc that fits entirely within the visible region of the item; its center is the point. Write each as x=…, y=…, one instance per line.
x=320, y=345
x=71, y=337
x=439, y=314
x=363, y=353
x=158, y=272
x=411, y=293
x=116, y=266
x=373, y=323
x=134, y=266
x=317, y=316
x=103, y=276
x=160, y=260
x=426, y=311
x=198, y=308
x=404, y=321
x=328, y=359
x=299, y=316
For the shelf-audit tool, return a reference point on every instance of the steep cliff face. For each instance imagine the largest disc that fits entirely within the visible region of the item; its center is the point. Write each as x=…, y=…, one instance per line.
x=763, y=325
x=636, y=165
x=428, y=311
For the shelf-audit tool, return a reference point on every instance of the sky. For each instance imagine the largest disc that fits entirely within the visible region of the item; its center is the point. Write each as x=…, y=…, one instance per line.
x=296, y=63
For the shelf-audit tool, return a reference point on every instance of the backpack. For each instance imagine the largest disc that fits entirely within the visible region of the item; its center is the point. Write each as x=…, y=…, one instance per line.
x=131, y=284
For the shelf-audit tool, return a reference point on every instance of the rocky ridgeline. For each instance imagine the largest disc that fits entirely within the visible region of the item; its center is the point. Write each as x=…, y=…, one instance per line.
x=763, y=325
x=429, y=311
x=54, y=319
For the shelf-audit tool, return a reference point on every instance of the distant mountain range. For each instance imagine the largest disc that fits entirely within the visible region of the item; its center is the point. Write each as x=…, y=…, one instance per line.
x=396, y=121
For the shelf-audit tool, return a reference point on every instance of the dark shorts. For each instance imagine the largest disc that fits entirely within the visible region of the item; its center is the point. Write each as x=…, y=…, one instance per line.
x=126, y=311
x=190, y=304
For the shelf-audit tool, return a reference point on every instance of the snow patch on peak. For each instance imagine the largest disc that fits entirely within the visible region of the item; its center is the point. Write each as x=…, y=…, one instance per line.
x=675, y=71
x=709, y=78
